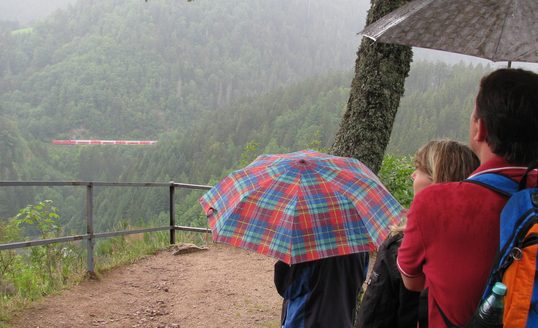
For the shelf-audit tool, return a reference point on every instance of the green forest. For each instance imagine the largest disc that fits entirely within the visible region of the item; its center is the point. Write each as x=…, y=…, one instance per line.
x=215, y=83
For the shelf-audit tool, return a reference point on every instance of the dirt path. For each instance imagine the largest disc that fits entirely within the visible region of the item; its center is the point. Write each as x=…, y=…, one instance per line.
x=219, y=287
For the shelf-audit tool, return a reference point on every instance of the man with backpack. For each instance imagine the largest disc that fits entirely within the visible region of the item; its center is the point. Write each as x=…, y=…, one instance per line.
x=452, y=235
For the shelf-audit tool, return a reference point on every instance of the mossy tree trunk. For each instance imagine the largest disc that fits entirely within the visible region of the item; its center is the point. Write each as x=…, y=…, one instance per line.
x=376, y=89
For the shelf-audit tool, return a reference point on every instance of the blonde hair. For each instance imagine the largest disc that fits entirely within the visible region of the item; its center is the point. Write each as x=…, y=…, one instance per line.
x=444, y=160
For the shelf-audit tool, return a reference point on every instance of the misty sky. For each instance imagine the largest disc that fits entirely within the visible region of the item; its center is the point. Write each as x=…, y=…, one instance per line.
x=27, y=12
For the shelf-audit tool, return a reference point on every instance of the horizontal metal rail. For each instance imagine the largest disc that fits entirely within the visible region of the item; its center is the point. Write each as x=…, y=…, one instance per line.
x=40, y=242
x=22, y=244
x=193, y=229
x=102, y=184
x=90, y=236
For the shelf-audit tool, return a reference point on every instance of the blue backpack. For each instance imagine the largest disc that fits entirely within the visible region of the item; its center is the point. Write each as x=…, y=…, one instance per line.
x=516, y=262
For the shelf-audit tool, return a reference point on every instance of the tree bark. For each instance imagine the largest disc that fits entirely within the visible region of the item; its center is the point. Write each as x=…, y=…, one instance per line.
x=376, y=89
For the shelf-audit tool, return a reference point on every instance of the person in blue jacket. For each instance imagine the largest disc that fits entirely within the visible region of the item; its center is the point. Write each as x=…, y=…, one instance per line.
x=321, y=293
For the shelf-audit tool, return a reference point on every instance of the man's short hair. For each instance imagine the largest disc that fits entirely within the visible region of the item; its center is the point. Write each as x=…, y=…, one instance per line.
x=507, y=102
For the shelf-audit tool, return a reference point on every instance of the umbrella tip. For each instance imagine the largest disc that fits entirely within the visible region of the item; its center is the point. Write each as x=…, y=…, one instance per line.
x=302, y=161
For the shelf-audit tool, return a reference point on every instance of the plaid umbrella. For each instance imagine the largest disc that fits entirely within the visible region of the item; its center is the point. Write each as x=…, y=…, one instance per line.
x=301, y=206
x=498, y=30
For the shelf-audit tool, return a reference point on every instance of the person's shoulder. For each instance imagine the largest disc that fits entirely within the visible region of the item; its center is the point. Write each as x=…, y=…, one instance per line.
x=448, y=187
x=443, y=197
x=452, y=189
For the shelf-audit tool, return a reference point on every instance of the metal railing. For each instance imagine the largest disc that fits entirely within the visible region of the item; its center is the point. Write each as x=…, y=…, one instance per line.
x=90, y=235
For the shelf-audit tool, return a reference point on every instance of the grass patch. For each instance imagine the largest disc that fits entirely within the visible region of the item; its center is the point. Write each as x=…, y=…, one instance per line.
x=32, y=274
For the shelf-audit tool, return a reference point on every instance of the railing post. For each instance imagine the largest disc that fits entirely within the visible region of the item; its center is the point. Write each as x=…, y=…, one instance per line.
x=172, y=214
x=89, y=227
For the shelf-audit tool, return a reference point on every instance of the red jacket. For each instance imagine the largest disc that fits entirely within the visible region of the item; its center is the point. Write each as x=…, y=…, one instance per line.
x=452, y=237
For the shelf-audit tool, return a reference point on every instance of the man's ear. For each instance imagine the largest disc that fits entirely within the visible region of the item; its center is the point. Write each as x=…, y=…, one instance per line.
x=478, y=130
x=481, y=131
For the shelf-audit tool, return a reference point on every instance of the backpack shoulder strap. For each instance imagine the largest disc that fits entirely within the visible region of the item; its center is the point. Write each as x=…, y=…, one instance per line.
x=497, y=182
x=447, y=321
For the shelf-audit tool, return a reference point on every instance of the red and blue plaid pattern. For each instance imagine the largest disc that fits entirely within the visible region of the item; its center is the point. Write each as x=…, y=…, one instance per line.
x=302, y=206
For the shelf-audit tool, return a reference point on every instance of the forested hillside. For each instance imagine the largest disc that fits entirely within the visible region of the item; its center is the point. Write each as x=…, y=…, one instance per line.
x=215, y=82
x=438, y=101
x=131, y=69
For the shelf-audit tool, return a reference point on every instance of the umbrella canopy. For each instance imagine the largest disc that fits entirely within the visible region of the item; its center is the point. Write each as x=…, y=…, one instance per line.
x=498, y=30
x=301, y=206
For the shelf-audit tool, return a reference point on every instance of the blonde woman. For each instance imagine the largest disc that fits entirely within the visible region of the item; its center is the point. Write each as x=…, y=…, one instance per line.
x=386, y=302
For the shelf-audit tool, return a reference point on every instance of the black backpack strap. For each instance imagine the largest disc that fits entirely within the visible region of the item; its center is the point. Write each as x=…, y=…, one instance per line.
x=423, y=309
x=497, y=182
x=448, y=323
x=523, y=182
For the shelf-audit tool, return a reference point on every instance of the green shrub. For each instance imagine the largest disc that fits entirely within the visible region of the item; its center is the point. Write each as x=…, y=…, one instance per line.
x=396, y=173
x=28, y=274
